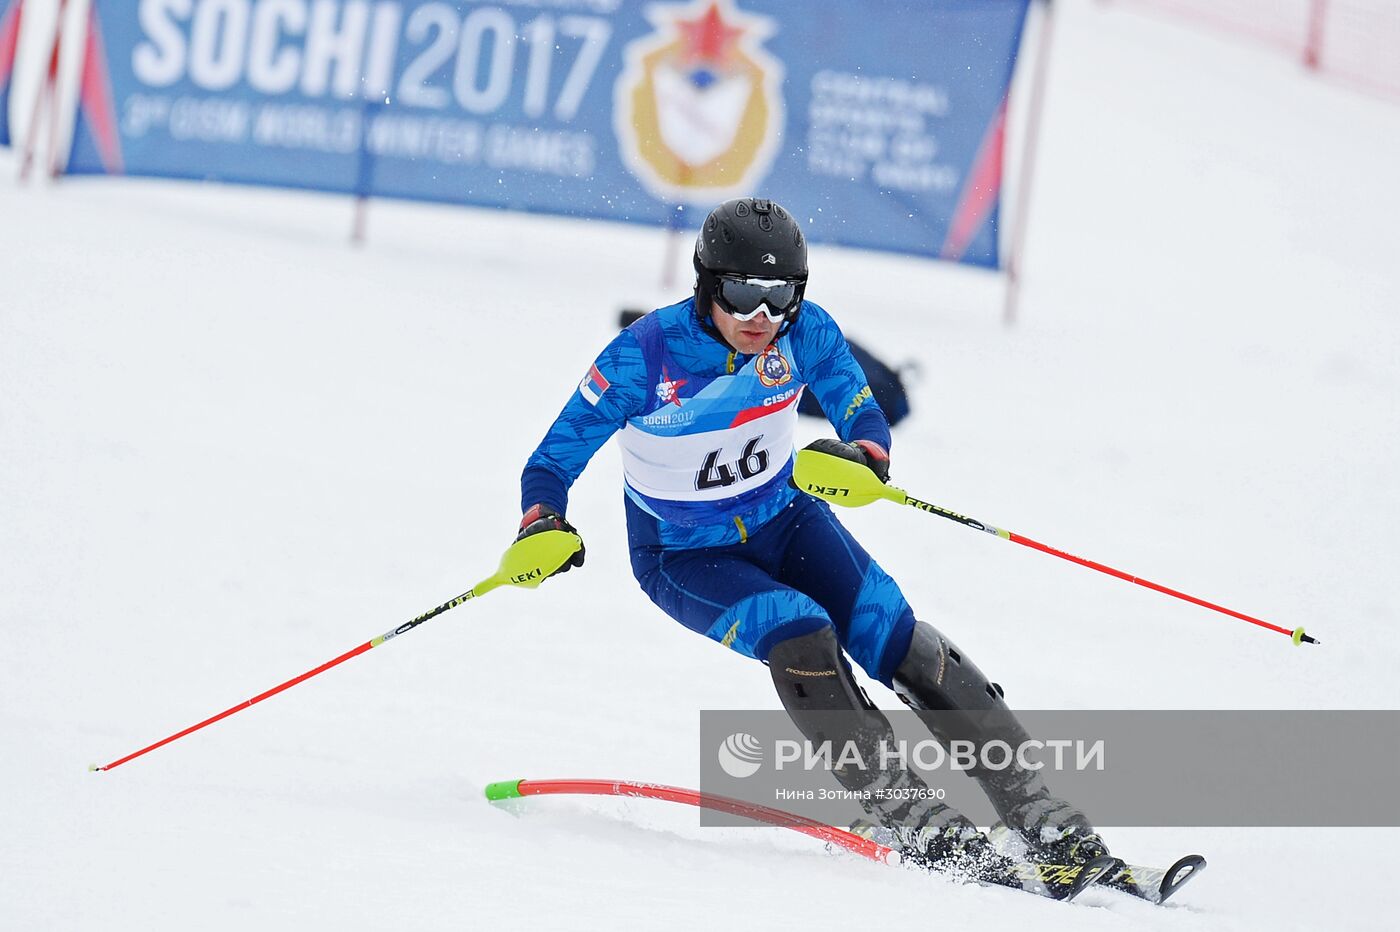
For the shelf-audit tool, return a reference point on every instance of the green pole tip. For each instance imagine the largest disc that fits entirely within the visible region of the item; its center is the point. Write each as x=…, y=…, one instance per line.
x=505, y=789
x=1298, y=636
x=93, y=768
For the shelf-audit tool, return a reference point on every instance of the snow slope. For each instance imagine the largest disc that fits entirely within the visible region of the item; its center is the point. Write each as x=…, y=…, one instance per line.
x=232, y=447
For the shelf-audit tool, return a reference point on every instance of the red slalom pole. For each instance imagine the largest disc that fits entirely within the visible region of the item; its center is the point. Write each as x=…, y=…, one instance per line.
x=512, y=789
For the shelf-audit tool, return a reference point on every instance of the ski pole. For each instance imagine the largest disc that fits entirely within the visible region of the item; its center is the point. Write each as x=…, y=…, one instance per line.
x=843, y=482
x=526, y=564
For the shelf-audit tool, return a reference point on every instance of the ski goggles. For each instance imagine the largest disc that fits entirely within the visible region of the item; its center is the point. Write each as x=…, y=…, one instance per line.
x=743, y=298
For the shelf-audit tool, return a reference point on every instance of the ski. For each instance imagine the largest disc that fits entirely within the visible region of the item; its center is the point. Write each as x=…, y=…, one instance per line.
x=1061, y=881
x=1155, y=884
x=1066, y=881
x=1053, y=881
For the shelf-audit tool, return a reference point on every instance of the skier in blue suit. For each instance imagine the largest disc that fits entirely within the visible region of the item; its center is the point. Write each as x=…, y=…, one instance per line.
x=704, y=393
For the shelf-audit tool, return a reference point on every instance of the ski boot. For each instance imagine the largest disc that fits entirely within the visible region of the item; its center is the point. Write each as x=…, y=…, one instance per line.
x=956, y=849
x=939, y=838
x=1049, y=831
x=957, y=702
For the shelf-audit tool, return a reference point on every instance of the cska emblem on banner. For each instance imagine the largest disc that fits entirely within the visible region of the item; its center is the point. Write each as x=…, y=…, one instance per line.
x=698, y=108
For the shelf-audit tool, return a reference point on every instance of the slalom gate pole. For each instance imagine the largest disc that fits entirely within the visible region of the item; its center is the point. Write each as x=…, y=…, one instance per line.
x=526, y=564
x=513, y=789
x=843, y=482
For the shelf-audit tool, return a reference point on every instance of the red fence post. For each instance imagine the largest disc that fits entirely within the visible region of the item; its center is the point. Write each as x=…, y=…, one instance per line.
x=45, y=100
x=1012, y=298
x=1312, y=51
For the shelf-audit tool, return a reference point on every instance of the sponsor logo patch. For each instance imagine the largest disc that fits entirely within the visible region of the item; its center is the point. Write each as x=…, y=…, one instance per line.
x=860, y=398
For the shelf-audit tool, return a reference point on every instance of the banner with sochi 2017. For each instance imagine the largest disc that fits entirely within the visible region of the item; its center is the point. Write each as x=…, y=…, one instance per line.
x=882, y=122
x=9, y=43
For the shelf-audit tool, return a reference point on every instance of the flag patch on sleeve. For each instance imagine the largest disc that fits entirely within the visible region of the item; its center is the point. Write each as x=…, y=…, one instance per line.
x=593, y=385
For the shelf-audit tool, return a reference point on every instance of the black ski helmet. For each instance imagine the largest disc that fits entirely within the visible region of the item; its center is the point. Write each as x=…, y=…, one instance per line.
x=748, y=236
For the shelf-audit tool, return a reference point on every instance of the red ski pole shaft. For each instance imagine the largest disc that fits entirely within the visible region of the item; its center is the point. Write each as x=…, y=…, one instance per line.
x=373, y=642
x=1297, y=634
x=525, y=564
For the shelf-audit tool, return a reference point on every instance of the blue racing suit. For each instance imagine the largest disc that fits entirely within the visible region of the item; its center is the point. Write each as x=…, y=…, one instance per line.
x=719, y=539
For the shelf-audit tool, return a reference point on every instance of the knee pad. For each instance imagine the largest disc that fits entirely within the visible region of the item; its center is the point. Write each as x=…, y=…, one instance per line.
x=935, y=676
x=823, y=700
x=811, y=674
